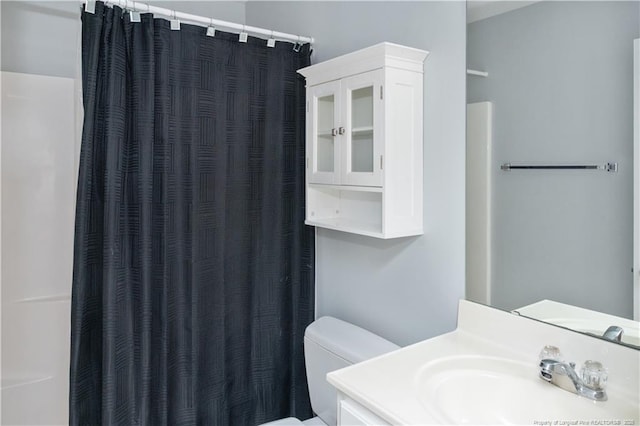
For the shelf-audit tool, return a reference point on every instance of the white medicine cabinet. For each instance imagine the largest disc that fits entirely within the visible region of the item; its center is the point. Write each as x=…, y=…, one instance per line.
x=364, y=142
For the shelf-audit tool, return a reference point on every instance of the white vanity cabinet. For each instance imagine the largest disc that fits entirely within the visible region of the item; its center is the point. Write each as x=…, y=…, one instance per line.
x=364, y=142
x=350, y=413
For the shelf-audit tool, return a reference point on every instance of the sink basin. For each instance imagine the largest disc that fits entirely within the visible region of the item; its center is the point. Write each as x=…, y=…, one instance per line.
x=492, y=390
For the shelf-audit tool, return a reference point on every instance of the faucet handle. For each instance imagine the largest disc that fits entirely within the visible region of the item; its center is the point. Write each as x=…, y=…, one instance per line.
x=594, y=375
x=550, y=352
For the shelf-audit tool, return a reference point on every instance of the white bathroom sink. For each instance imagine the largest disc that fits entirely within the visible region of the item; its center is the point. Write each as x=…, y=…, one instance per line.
x=486, y=372
x=491, y=390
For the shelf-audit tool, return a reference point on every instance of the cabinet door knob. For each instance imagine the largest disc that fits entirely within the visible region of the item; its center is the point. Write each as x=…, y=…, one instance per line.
x=341, y=131
x=334, y=132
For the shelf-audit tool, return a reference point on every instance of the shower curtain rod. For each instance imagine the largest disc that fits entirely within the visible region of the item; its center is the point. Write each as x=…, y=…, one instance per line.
x=137, y=6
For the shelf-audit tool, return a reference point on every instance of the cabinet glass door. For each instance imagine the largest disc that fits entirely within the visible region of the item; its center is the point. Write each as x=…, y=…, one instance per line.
x=324, y=152
x=362, y=130
x=362, y=151
x=324, y=134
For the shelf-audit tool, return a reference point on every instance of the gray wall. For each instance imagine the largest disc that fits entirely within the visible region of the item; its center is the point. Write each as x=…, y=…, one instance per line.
x=40, y=37
x=403, y=289
x=44, y=37
x=560, y=78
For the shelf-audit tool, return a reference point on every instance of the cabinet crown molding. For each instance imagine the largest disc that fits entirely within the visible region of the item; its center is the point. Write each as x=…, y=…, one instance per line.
x=381, y=55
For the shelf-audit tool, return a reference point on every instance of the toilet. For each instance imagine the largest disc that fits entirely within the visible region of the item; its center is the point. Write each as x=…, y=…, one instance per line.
x=331, y=344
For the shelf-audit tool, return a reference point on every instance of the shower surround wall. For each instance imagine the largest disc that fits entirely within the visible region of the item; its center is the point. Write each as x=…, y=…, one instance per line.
x=39, y=172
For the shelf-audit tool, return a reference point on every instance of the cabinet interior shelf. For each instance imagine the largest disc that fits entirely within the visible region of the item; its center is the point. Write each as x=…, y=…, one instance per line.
x=355, y=130
x=342, y=224
x=346, y=187
x=362, y=129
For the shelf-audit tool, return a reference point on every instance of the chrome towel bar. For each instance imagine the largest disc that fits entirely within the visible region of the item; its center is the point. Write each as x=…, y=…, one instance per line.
x=609, y=167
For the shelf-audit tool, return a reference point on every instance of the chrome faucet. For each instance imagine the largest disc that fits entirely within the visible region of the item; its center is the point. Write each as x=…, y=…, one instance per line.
x=613, y=333
x=564, y=375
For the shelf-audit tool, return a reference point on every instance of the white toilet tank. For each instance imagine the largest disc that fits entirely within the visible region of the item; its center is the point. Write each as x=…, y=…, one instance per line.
x=331, y=344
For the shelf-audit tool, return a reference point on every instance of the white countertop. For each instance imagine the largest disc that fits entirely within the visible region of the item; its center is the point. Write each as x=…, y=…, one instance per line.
x=388, y=385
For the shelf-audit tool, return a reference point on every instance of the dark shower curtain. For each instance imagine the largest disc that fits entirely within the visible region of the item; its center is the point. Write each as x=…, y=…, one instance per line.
x=193, y=270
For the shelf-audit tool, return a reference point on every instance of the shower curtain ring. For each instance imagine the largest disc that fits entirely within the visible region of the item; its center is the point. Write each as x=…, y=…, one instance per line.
x=175, y=23
x=211, y=30
x=134, y=15
x=243, y=35
x=272, y=41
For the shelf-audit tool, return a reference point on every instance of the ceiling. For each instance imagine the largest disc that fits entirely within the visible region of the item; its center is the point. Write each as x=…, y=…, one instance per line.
x=482, y=9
